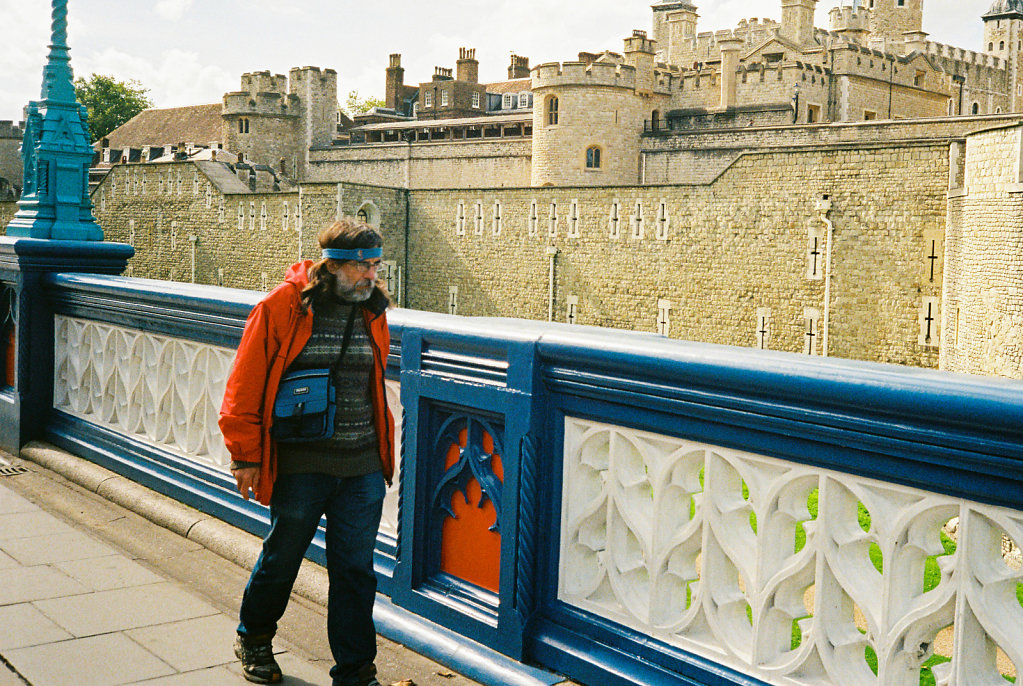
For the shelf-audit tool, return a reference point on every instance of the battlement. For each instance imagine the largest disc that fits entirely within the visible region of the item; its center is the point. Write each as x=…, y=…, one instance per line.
x=264, y=82
x=967, y=58
x=554, y=74
x=8, y=129
x=849, y=18
x=298, y=76
x=270, y=103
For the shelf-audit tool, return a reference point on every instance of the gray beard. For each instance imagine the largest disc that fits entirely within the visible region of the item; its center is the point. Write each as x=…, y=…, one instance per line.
x=349, y=293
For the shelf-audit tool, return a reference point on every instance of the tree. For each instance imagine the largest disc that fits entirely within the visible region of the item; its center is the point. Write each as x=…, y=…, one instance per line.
x=110, y=102
x=356, y=105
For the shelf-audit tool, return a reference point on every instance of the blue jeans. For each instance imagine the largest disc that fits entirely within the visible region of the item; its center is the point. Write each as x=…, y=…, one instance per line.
x=353, y=506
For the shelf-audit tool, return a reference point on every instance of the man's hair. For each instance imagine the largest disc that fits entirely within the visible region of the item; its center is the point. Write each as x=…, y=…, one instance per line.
x=344, y=234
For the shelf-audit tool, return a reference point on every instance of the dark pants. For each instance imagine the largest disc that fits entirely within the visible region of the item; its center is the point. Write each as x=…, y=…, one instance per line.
x=352, y=506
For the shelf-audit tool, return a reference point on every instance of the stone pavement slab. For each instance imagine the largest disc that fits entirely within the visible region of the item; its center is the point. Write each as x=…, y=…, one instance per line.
x=124, y=608
x=26, y=524
x=23, y=625
x=106, y=660
x=107, y=573
x=190, y=645
x=41, y=550
x=213, y=676
x=11, y=502
x=38, y=582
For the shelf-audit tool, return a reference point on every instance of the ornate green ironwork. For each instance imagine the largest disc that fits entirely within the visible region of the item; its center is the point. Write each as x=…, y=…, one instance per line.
x=55, y=201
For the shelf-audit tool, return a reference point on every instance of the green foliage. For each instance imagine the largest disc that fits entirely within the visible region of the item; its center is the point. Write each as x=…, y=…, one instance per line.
x=354, y=104
x=110, y=102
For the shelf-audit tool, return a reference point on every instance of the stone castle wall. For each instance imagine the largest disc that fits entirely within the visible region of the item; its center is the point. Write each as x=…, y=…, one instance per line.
x=7, y=210
x=241, y=240
x=10, y=154
x=984, y=261
x=731, y=248
x=454, y=164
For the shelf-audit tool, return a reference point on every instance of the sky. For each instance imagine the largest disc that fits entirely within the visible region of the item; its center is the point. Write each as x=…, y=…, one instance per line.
x=190, y=52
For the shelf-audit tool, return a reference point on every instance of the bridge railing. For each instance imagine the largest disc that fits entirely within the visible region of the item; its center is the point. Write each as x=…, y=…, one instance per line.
x=618, y=507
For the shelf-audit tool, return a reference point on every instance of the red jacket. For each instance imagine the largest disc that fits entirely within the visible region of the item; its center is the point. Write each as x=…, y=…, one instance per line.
x=275, y=332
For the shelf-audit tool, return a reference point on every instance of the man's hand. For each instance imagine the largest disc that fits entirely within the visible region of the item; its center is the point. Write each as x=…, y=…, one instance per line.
x=247, y=478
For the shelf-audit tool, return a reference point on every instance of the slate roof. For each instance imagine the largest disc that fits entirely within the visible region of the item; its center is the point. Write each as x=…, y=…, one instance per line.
x=198, y=124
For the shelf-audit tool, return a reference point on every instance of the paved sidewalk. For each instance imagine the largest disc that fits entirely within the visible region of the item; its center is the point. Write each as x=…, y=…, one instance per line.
x=92, y=594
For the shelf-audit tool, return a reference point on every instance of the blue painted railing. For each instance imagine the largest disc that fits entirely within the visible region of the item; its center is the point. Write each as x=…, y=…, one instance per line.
x=634, y=500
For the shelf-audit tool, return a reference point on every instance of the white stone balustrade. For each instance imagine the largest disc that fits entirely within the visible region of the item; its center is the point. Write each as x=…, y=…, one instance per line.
x=696, y=545
x=160, y=390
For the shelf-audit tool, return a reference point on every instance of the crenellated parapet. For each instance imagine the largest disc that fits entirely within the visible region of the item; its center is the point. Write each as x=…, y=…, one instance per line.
x=595, y=74
x=849, y=19
x=966, y=58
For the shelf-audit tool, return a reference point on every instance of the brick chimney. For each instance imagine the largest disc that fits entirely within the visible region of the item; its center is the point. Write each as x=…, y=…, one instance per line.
x=468, y=68
x=395, y=81
x=519, y=67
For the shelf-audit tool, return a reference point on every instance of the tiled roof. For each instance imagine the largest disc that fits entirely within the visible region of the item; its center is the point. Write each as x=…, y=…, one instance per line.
x=199, y=124
x=515, y=86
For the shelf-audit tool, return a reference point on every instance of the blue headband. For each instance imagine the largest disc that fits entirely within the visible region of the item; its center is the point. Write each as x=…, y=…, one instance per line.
x=354, y=254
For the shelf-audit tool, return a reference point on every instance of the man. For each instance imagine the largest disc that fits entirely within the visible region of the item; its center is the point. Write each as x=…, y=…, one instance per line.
x=326, y=314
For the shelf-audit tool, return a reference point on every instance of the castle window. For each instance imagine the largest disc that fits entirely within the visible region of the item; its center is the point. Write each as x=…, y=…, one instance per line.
x=990, y=47
x=930, y=316
x=252, y=215
x=453, y=300
x=815, y=253
x=243, y=125
x=415, y=109
x=523, y=100
x=1001, y=45
x=428, y=99
x=241, y=216
x=508, y=101
x=763, y=332
x=614, y=220
x=220, y=276
x=362, y=216
x=593, y=157
x=476, y=100
x=552, y=228
x=811, y=330
x=477, y=219
x=264, y=282
x=209, y=194
x=285, y=211
x=655, y=120
x=901, y=3
x=220, y=211
x=534, y=218
x=573, y=219
x=870, y=116
x=813, y=114
x=143, y=183
x=195, y=183
x=637, y=220
x=443, y=98
x=572, y=316
x=664, y=317
x=131, y=232
x=918, y=80
x=663, y=221
x=976, y=108
x=552, y=110
x=262, y=216
x=496, y=218
x=460, y=219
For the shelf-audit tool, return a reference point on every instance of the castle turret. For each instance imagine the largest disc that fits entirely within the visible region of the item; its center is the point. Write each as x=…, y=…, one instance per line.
x=797, y=20
x=852, y=22
x=890, y=20
x=1003, y=37
x=639, y=54
x=730, y=48
x=674, y=22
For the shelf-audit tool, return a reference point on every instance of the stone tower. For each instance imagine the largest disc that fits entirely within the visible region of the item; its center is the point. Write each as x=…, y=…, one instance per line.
x=588, y=117
x=797, y=20
x=274, y=119
x=675, y=30
x=1003, y=38
x=890, y=20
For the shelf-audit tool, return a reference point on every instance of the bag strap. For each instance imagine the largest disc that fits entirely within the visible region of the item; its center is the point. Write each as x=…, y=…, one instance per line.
x=345, y=341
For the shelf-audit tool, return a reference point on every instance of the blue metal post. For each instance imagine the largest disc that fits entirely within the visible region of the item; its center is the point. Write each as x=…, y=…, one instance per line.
x=53, y=231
